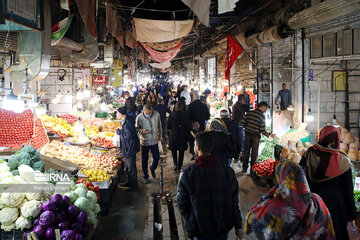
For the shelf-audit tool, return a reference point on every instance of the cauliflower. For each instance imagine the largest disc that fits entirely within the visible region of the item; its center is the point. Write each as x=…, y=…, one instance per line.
x=18, y=179
x=84, y=204
x=72, y=195
x=4, y=176
x=27, y=173
x=8, y=228
x=33, y=196
x=91, y=196
x=8, y=215
x=80, y=192
x=12, y=199
x=31, y=209
x=22, y=223
x=22, y=203
x=4, y=167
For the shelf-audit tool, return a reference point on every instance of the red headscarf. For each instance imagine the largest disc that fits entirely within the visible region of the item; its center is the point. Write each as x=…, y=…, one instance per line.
x=324, y=160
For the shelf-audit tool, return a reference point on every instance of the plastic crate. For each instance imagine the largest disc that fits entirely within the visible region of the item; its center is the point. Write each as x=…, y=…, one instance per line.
x=13, y=235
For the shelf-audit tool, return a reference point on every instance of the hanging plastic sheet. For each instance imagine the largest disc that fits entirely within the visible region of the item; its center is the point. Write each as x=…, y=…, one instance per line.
x=163, y=56
x=164, y=46
x=161, y=30
x=87, y=13
x=200, y=8
x=161, y=66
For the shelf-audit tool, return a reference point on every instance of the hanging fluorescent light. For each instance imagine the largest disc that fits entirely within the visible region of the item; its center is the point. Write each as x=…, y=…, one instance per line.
x=309, y=116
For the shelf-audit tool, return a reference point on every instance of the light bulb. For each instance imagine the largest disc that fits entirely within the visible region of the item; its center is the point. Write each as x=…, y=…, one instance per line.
x=309, y=116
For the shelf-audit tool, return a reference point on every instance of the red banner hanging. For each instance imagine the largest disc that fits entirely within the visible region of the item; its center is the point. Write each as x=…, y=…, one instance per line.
x=100, y=80
x=233, y=50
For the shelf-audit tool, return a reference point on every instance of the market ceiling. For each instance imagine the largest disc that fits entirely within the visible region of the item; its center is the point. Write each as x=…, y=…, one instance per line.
x=201, y=36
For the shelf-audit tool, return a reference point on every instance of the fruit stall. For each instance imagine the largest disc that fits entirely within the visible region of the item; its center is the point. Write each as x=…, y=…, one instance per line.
x=66, y=209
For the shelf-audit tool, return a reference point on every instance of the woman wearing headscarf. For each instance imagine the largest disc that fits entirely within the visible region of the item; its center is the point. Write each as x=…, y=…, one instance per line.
x=289, y=210
x=329, y=175
x=179, y=126
x=151, y=98
x=223, y=146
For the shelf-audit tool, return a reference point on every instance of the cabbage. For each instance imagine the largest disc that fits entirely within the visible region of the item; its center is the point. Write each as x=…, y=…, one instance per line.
x=50, y=233
x=80, y=192
x=60, y=216
x=82, y=217
x=39, y=231
x=48, y=206
x=81, y=185
x=73, y=211
x=92, y=218
x=72, y=195
x=56, y=199
x=76, y=226
x=78, y=237
x=97, y=208
x=68, y=235
x=47, y=218
x=84, y=204
x=91, y=196
x=65, y=201
x=64, y=225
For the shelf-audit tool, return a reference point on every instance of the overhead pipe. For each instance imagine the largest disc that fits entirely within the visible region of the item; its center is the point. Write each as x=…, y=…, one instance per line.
x=323, y=12
x=270, y=35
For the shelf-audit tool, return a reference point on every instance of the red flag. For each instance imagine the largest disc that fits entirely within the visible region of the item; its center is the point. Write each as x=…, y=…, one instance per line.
x=233, y=50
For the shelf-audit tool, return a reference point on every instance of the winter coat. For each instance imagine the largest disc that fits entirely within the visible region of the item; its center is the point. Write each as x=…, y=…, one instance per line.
x=180, y=127
x=198, y=112
x=237, y=134
x=223, y=147
x=208, y=199
x=162, y=110
x=153, y=124
x=238, y=111
x=129, y=141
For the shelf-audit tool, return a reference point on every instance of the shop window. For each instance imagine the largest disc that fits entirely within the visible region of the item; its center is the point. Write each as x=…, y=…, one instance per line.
x=329, y=45
x=316, y=47
x=356, y=41
x=344, y=42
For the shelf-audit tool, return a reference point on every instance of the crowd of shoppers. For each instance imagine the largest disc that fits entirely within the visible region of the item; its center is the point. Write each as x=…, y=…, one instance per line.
x=311, y=200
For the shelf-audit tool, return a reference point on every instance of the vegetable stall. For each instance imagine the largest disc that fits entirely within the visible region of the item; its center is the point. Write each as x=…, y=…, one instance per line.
x=69, y=208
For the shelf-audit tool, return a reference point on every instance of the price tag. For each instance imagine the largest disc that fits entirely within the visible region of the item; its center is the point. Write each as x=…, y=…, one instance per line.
x=357, y=184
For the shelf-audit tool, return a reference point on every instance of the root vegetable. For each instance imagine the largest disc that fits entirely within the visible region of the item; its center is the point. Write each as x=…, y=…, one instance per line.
x=307, y=145
x=285, y=152
x=343, y=133
x=353, y=155
x=348, y=138
x=353, y=146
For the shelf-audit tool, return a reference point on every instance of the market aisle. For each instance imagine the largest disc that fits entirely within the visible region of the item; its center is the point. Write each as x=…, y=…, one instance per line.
x=127, y=217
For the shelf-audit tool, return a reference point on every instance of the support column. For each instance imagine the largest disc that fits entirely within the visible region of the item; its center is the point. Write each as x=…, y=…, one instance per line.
x=300, y=82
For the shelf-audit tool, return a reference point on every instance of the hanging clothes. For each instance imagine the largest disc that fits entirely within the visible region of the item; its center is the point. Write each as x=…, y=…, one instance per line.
x=201, y=8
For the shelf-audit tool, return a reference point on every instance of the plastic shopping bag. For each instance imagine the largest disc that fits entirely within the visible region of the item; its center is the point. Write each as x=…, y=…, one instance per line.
x=353, y=231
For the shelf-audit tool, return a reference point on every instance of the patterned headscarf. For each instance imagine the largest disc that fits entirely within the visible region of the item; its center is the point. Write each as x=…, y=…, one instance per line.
x=324, y=160
x=290, y=210
x=218, y=125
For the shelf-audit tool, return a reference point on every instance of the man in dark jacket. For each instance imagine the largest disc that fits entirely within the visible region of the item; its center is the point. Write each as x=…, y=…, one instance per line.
x=239, y=109
x=162, y=110
x=198, y=114
x=208, y=195
x=236, y=131
x=130, y=146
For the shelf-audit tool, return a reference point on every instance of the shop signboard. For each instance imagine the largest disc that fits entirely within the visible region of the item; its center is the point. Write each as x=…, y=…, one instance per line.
x=116, y=73
x=100, y=80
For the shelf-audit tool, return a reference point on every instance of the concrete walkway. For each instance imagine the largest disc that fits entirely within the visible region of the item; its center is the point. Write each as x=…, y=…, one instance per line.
x=127, y=217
